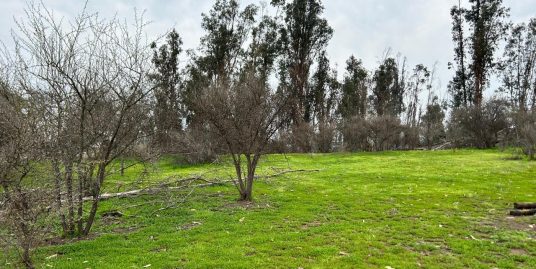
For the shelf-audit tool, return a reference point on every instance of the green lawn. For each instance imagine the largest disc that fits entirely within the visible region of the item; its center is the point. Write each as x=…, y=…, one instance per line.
x=444, y=209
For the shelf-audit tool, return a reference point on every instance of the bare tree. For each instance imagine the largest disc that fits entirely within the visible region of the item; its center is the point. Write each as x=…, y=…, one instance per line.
x=522, y=133
x=92, y=77
x=23, y=193
x=245, y=115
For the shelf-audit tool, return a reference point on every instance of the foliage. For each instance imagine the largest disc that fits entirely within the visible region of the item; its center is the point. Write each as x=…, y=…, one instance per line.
x=354, y=90
x=169, y=108
x=486, y=21
x=389, y=88
x=519, y=66
x=304, y=35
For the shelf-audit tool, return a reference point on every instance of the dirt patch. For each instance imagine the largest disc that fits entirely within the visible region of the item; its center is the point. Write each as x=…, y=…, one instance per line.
x=518, y=252
x=243, y=206
x=55, y=241
x=190, y=226
x=312, y=224
x=250, y=253
x=123, y=230
x=429, y=246
x=526, y=224
x=159, y=249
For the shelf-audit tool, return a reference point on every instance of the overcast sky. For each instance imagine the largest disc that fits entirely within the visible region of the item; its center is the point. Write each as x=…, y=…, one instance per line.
x=418, y=29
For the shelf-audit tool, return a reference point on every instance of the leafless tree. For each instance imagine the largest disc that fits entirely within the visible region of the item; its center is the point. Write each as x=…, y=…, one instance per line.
x=91, y=77
x=478, y=126
x=521, y=133
x=245, y=115
x=24, y=199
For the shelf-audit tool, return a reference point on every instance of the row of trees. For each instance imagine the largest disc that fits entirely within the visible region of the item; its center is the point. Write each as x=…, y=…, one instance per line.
x=476, y=59
x=288, y=50
x=282, y=50
x=478, y=32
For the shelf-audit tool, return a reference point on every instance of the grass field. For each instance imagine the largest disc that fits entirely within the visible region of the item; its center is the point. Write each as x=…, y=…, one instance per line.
x=444, y=209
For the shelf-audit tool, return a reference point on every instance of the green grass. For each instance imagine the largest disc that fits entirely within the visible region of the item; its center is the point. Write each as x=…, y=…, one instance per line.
x=444, y=209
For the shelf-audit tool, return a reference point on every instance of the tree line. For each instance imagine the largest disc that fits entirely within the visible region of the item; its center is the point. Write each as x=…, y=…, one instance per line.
x=78, y=97
x=394, y=106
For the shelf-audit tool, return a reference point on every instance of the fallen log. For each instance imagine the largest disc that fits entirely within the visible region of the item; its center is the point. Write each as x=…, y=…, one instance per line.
x=524, y=212
x=525, y=205
x=442, y=146
x=166, y=186
x=106, y=196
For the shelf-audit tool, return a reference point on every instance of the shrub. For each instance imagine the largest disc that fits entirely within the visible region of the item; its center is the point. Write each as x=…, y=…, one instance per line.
x=385, y=132
x=409, y=137
x=522, y=133
x=478, y=126
x=432, y=128
x=301, y=138
x=324, y=138
x=356, y=134
x=199, y=145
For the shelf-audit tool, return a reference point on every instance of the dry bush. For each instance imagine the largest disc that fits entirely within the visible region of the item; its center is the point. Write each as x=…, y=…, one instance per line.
x=526, y=132
x=432, y=127
x=374, y=134
x=385, y=132
x=24, y=193
x=409, y=137
x=324, y=138
x=27, y=216
x=478, y=126
x=199, y=145
x=301, y=138
x=522, y=133
x=89, y=76
x=356, y=135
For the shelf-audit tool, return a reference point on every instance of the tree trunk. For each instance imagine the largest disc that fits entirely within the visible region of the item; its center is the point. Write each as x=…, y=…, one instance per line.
x=80, y=201
x=246, y=196
x=122, y=167
x=26, y=237
x=70, y=199
x=92, y=214
x=26, y=258
x=57, y=187
x=95, y=203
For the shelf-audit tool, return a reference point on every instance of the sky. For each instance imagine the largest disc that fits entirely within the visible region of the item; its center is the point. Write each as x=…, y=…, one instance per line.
x=417, y=29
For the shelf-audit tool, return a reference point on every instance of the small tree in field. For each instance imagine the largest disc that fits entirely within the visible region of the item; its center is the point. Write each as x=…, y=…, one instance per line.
x=90, y=77
x=245, y=115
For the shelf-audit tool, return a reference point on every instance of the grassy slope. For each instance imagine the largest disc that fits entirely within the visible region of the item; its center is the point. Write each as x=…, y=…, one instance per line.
x=401, y=209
